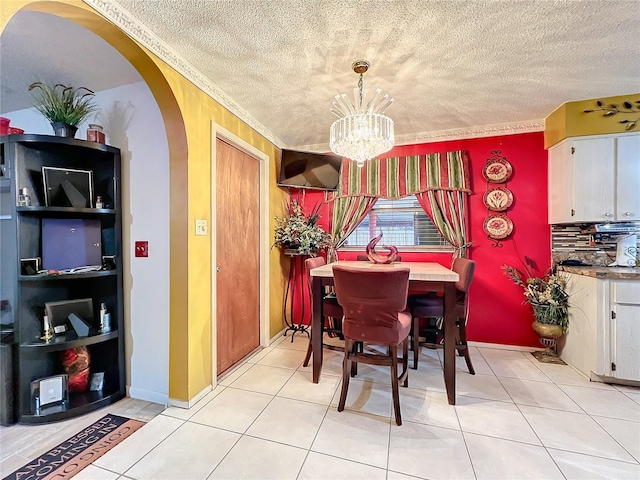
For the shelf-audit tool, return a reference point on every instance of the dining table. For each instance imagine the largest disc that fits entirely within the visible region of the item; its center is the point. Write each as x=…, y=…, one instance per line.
x=423, y=277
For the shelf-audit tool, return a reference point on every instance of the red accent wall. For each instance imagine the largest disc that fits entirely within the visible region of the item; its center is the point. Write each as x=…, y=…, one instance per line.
x=497, y=313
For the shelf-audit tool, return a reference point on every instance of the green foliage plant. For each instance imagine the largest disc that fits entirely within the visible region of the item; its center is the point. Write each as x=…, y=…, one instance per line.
x=547, y=296
x=301, y=232
x=59, y=103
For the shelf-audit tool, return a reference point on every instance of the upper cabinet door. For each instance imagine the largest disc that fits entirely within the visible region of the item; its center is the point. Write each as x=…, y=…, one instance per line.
x=628, y=176
x=594, y=180
x=560, y=183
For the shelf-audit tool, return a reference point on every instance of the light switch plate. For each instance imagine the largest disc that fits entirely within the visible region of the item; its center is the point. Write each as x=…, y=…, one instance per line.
x=201, y=227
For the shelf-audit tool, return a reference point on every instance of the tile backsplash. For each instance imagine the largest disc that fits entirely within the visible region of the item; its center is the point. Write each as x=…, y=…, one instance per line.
x=568, y=242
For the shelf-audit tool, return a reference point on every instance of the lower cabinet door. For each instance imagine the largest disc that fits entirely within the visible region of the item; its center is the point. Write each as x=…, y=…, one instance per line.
x=626, y=351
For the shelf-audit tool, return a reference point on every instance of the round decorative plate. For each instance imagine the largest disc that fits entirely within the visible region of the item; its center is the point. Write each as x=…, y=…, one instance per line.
x=498, y=226
x=498, y=199
x=497, y=170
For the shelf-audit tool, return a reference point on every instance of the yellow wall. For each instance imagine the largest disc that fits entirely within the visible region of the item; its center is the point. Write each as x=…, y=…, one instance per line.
x=187, y=113
x=569, y=120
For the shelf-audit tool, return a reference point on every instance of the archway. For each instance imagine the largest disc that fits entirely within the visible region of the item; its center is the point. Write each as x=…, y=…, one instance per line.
x=178, y=161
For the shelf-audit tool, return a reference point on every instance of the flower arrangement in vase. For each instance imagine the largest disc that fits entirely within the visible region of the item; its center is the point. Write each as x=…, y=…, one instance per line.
x=549, y=300
x=300, y=234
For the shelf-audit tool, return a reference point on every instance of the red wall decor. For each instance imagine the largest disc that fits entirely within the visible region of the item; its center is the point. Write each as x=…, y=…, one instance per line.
x=497, y=198
x=497, y=312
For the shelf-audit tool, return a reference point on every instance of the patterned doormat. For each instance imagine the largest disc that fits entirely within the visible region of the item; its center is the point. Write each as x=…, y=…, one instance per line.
x=74, y=454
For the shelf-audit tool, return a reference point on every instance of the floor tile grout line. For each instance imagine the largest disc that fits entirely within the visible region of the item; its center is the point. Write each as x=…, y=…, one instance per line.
x=570, y=451
x=594, y=456
x=154, y=447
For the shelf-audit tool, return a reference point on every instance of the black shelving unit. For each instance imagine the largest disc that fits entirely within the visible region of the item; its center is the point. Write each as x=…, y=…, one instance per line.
x=23, y=296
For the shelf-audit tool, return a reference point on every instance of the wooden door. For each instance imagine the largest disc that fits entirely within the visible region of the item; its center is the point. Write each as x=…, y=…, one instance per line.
x=238, y=256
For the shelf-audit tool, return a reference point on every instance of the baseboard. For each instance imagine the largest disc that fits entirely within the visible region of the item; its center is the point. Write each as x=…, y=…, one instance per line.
x=499, y=346
x=174, y=402
x=276, y=336
x=154, y=397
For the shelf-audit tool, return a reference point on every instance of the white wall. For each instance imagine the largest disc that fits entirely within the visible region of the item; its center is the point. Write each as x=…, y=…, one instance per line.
x=133, y=123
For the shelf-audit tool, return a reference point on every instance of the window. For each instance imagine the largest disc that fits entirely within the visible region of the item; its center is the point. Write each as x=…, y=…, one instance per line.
x=403, y=224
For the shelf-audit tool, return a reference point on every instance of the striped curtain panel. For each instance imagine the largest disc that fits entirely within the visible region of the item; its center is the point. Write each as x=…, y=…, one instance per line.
x=347, y=214
x=447, y=209
x=440, y=182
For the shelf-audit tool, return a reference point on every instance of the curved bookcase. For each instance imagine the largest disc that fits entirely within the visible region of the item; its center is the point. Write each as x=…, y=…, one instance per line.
x=23, y=159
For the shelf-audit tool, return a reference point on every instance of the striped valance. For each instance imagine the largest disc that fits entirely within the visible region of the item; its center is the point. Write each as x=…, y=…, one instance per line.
x=397, y=177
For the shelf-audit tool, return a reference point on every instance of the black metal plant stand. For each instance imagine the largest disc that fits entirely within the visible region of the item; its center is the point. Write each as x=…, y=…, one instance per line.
x=296, y=271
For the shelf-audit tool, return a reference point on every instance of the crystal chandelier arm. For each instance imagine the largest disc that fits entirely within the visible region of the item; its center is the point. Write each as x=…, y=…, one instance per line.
x=372, y=102
x=345, y=105
x=337, y=113
x=386, y=105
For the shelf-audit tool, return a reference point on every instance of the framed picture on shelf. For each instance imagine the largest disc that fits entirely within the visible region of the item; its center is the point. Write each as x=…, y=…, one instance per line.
x=67, y=187
x=49, y=392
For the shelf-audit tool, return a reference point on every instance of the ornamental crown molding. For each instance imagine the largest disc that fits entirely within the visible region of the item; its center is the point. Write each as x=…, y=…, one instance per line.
x=452, y=134
x=129, y=24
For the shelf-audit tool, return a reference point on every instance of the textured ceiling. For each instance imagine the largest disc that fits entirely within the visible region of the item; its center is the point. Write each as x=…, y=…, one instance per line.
x=448, y=64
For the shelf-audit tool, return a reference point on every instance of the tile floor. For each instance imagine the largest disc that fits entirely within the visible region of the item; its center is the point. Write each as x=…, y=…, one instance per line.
x=515, y=419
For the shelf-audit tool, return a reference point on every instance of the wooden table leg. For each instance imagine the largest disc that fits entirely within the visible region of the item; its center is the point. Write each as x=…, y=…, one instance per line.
x=450, y=341
x=316, y=328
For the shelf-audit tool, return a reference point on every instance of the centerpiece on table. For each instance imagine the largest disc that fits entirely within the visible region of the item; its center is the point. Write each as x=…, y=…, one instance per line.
x=300, y=234
x=65, y=107
x=550, y=303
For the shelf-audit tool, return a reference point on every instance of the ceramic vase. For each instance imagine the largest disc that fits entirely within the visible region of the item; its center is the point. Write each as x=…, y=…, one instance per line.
x=547, y=331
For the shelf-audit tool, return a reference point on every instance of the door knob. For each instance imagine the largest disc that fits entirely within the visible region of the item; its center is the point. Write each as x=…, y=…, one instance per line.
x=627, y=214
x=608, y=214
x=217, y=269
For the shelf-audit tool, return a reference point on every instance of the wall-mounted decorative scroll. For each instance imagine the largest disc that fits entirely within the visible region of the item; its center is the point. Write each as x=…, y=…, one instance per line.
x=497, y=198
x=627, y=108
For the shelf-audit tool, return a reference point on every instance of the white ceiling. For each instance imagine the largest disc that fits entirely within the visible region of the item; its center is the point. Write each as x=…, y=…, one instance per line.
x=41, y=47
x=448, y=64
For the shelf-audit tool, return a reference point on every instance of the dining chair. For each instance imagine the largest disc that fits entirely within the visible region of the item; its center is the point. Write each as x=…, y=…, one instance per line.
x=374, y=304
x=431, y=306
x=331, y=310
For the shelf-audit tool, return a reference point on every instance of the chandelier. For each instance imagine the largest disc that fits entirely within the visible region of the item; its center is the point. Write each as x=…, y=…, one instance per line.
x=362, y=130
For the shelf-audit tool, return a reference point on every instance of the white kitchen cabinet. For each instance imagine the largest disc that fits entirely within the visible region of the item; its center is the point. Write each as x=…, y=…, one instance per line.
x=595, y=179
x=625, y=330
x=628, y=178
x=560, y=183
x=581, y=346
x=603, y=340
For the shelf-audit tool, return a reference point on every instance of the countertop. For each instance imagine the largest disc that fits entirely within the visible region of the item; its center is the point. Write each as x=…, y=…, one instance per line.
x=613, y=273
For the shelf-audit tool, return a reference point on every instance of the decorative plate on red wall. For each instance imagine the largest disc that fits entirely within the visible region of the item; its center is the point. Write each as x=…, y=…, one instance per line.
x=498, y=199
x=497, y=170
x=498, y=226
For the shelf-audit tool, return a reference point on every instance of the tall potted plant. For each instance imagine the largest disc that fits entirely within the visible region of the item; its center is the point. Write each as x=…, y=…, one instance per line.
x=65, y=107
x=549, y=300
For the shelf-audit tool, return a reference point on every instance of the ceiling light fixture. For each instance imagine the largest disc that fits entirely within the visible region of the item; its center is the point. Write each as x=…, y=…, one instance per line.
x=362, y=130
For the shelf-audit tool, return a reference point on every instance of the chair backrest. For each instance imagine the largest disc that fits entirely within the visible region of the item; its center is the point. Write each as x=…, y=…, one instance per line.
x=309, y=264
x=371, y=296
x=465, y=269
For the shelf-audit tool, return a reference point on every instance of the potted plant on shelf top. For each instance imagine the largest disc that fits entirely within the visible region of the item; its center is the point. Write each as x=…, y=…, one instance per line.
x=300, y=234
x=548, y=298
x=65, y=107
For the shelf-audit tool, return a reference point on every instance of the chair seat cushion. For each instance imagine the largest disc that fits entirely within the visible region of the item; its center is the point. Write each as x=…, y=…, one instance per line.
x=379, y=334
